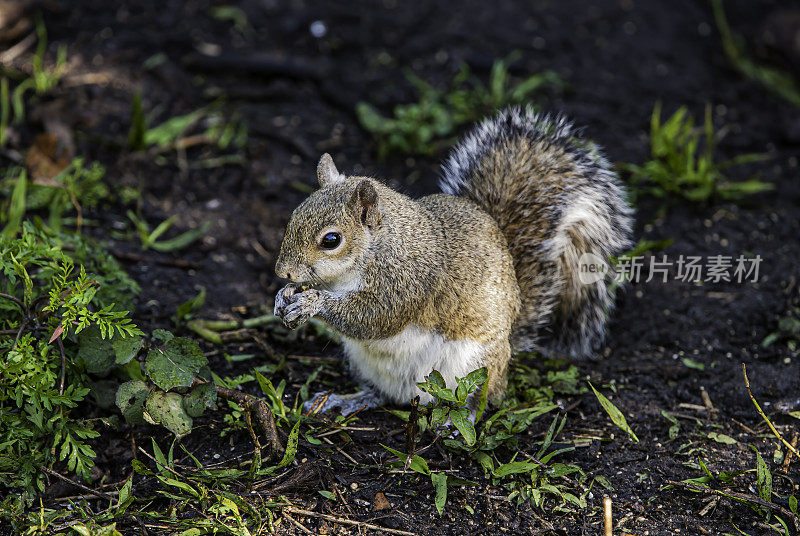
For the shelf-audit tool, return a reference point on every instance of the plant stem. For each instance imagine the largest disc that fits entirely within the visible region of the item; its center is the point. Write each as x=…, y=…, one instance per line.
x=764, y=416
x=63, y=366
x=13, y=299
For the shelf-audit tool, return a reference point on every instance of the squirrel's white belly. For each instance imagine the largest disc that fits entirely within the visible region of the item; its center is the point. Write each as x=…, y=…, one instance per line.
x=395, y=365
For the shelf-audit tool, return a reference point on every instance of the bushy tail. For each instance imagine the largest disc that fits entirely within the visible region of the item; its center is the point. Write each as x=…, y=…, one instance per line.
x=556, y=199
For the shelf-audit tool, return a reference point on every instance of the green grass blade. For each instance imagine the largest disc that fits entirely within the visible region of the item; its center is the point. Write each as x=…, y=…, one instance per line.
x=616, y=415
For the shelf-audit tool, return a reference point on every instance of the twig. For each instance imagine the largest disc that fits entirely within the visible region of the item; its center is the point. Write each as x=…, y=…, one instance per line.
x=764, y=416
x=736, y=495
x=183, y=143
x=14, y=52
x=345, y=521
x=297, y=524
x=263, y=414
x=745, y=427
x=339, y=450
x=73, y=497
x=347, y=429
x=787, y=460
x=343, y=500
x=96, y=493
x=232, y=330
x=710, y=505
x=706, y=399
x=218, y=338
x=609, y=520
x=159, y=464
x=412, y=431
x=19, y=332
x=319, y=403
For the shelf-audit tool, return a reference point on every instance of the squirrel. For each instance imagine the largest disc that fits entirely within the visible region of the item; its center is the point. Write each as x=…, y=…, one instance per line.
x=454, y=281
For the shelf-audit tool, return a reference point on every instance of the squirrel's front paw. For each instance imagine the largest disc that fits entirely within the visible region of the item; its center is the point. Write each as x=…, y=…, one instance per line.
x=301, y=307
x=284, y=297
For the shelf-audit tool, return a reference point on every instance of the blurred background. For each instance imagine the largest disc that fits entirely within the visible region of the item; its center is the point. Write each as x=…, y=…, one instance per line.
x=385, y=87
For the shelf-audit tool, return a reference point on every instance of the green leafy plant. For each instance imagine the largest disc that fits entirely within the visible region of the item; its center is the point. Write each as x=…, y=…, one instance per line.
x=439, y=479
x=424, y=127
x=493, y=443
x=48, y=309
x=775, y=80
x=150, y=239
x=451, y=405
x=179, y=387
x=679, y=168
x=77, y=187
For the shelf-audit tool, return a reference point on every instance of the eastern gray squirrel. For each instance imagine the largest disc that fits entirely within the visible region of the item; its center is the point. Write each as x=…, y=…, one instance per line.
x=455, y=281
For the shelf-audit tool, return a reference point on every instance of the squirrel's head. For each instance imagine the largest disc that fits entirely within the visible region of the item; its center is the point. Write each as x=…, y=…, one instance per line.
x=330, y=231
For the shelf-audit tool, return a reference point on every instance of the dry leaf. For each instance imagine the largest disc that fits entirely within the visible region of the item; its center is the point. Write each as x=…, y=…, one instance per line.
x=380, y=502
x=46, y=158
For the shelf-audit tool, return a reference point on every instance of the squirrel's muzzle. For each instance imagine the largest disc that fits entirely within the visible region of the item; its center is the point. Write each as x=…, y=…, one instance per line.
x=292, y=271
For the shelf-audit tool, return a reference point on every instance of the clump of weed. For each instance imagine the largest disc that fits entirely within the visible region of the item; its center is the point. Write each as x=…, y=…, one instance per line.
x=426, y=126
x=77, y=187
x=204, y=126
x=682, y=163
x=151, y=239
x=42, y=79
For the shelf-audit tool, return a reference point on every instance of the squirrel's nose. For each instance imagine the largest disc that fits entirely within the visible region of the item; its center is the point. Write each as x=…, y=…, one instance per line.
x=286, y=270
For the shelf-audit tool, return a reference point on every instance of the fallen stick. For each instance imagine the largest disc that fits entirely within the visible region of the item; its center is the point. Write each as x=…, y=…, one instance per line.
x=263, y=415
x=96, y=493
x=345, y=521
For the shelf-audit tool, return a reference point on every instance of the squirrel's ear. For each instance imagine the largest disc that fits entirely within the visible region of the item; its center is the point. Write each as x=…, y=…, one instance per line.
x=365, y=200
x=327, y=174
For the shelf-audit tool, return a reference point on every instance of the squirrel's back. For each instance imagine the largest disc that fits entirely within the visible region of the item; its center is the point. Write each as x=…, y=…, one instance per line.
x=555, y=199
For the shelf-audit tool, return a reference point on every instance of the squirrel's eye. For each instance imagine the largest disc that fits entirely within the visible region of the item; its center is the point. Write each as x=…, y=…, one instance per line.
x=330, y=241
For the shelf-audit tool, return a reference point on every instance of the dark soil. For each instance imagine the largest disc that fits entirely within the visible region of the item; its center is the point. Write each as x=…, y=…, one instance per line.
x=297, y=93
